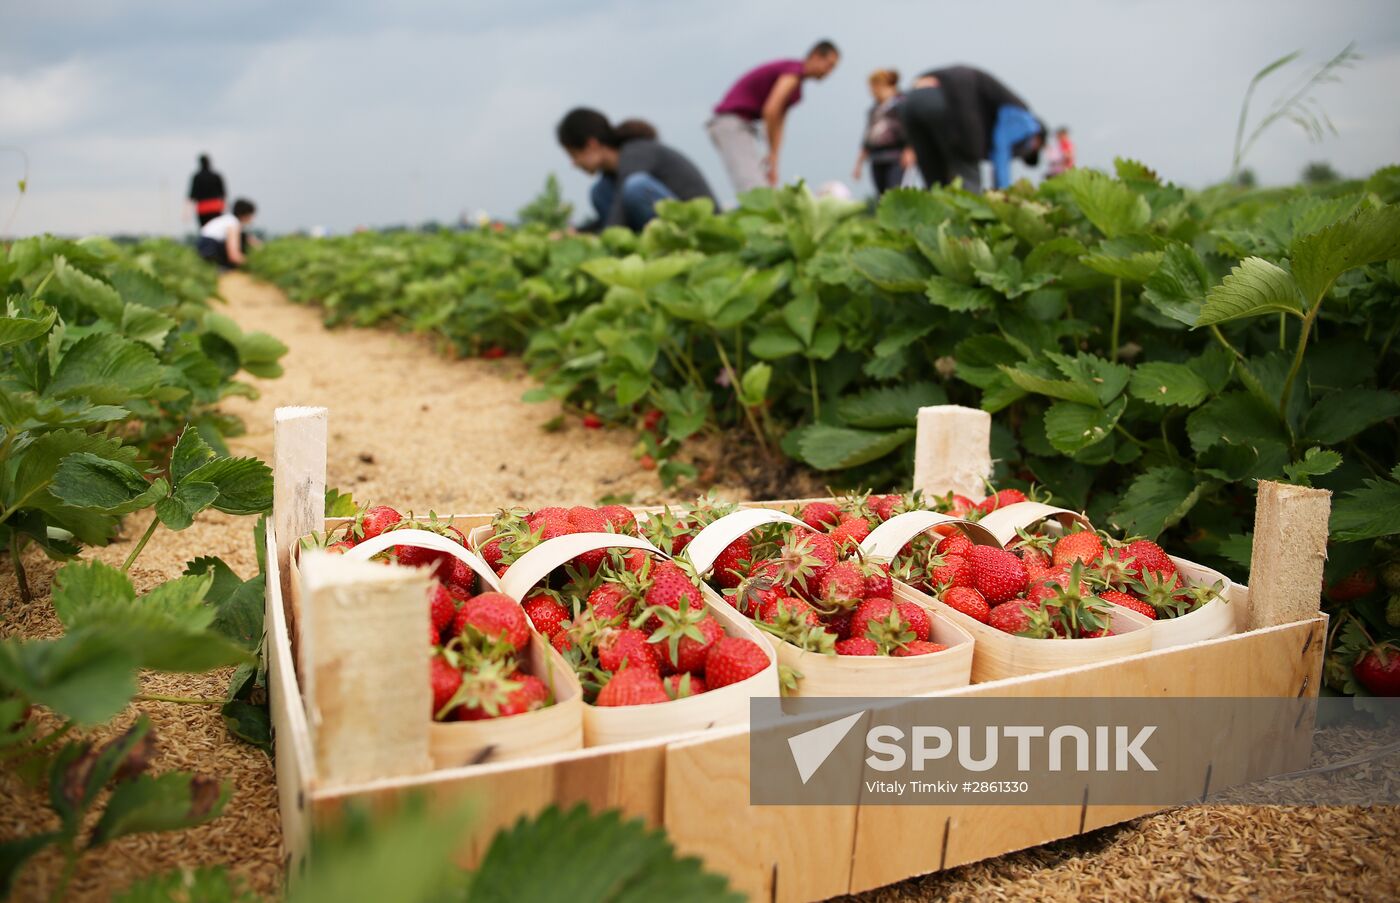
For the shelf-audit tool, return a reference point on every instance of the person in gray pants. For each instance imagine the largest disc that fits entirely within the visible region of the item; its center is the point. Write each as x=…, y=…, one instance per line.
x=764, y=94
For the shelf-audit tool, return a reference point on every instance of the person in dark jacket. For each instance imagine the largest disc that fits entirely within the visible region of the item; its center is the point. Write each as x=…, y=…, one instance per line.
x=955, y=118
x=883, y=143
x=206, y=192
x=634, y=169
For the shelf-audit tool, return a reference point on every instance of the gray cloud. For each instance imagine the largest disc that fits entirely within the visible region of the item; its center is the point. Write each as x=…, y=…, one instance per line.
x=363, y=113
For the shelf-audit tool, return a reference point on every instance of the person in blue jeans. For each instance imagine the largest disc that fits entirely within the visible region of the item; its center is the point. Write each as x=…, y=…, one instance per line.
x=634, y=169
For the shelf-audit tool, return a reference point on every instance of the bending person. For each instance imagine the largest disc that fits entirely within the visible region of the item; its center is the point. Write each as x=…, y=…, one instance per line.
x=955, y=118
x=634, y=169
x=224, y=240
x=765, y=93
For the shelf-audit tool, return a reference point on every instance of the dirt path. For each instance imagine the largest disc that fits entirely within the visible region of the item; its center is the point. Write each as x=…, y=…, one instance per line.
x=454, y=436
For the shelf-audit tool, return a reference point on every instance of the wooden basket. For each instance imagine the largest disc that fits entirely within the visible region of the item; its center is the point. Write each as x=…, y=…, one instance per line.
x=839, y=675
x=603, y=725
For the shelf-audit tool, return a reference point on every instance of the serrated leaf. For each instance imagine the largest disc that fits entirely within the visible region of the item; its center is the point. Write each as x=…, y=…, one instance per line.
x=340, y=504
x=1338, y=416
x=1156, y=499
x=82, y=675
x=85, y=480
x=1104, y=377
x=1066, y=390
x=772, y=343
x=1072, y=427
x=955, y=296
x=14, y=330
x=891, y=270
x=1369, y=512
x=902, y=209
x=238, y=604
x=1370, y=235
x=1177, y=289
x=634, y=273
x=92, y=293
x=244, y=484
x=827, y=447
x=1167, y=384
x=39, y=460
x=1254, y=287
x=106, y=369
x=801, y=313
x=1315, y=463
x=145, y=325
x=1113, y=207
x=177, y=510
x=1236, y=418
x=166, y=802
x=891, y=406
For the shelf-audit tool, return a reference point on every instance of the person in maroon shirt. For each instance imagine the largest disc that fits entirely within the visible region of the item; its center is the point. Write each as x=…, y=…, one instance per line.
x=763, y=93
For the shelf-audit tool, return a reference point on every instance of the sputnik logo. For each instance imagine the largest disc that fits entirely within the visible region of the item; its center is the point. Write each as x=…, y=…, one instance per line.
x=811, y=748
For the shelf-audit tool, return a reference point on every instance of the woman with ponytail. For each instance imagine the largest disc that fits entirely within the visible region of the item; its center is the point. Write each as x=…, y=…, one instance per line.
x=634, y=169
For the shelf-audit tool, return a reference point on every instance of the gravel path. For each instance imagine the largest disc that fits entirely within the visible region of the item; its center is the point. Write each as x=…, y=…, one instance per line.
x=410, y=427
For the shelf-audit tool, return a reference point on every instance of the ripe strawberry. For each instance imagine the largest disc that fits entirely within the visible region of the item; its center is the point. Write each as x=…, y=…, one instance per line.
x=1148, y=556
x=733, y=563
x=839, y=624
x=1128, y=601
x=373, y=521
x=443, y=608
x=646, y=462
x=841, y=585
x=683, y=684
x=732, y=659
x=1012, y=616
x=547, y=613
x=493, y=352
x=445, y=680
x=632, y=686
x=549, y=523
x=950, y=570
x=878, y=581
x=954, y=544
x=495, y=616
x=1358, y=583
x=1000, y=500
x=419, y=557
x=583, y=519
x=532, y=694
x=610, y=603
x=670, y=587
x=1379, y=670
x=652, y=419
x=1084, y=546
x=592, y=422
x=959, y=505
x=857, y=645
x=869, y=612
x=996, y=573
x=821, y=516
x=340, y=548
x=882, y=506
x=968, y=601
x=790, y=608
x=621, y=520
x=563, y=639
x=683, y=644
x=917, y=647
x=627, y=646
x=916, y=617
x=850, y=532
x=492, y=552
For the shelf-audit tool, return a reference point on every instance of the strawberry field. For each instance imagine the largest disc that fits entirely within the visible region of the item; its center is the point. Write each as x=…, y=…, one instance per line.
x=1148, y=353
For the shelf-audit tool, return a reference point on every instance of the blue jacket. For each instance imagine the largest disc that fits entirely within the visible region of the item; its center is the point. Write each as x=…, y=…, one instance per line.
x=1014, y=125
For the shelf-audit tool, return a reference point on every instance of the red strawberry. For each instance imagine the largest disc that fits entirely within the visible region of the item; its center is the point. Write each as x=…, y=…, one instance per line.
x=733, y=563
x=546, y=612
x=916, y=617
x=839, y=624
x=1012, y=617
x=789, y=607
x=492, y=552
x=373, y=521
x=629, y=647
x=878, y=581
x=680, y=649
x=646, y=462
x=996, y=573
x=954, y=544
x=652, y=419
x=733, y=659
x=1128, y=601
x=563, y=640
x=842, y=584
x=419, y=557
x=1084, y=546
x=968, y=601
x=495, y=616
x=443, y=607
x=459, y=574
x=588, y=520
x=632, y=686
x=1148, y=556
x=670, y=586
x=532, y=694
x=857, y=645
x=850, y=532
x=918, y=647
x=1379, y=670
x=621, y=519
x=950, y=570
x=870, y=611
x=683, y=684
x=610, y=602
x=592, y=422
x=445, y=680
x=959, y=505
x=493, y=352
x=882, y=506
x=340, y=548
x=1000, y=500
x=821, y=516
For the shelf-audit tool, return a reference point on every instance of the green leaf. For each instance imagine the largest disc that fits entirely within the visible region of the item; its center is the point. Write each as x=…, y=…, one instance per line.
x=1072, y=427
x=191, y=452
x=38, y=462
x=632, y=387
x=1132, y=259
x=206, y=885
x=340, y=504
x=600, y=859
x=1236, y=418
x=106, y=369
x=1315, y=463
x=1367, y=513
x=1178, y=288
x=772, y=343
x=14, y=330
x=1340, y=415
x=166, y=802
x=1113, y=208
x=82, y=675
x=686, y=410
x=1158, y=498
x=85, y=480
x=1066, y=390
x=902, y=209
x=953, y=295
x=92, y=293
x=891, y=270
x=1254, y=287
x=244, y=484
x=177, y=510
x=238, y=603
x=634, y=273
x=827, y=447
x=800, y=314
x=145, y=325
x=891, y=406
x=753, y=387
x=1166, y=384
x=1370, y=235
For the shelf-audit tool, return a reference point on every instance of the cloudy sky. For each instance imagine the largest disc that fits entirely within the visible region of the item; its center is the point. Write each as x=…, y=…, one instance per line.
x=348, y=113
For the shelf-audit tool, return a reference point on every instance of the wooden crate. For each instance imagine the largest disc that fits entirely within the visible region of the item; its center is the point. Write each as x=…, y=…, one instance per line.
x=697, y=786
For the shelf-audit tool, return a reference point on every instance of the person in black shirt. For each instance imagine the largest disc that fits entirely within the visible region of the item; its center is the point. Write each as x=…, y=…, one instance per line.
x=206, y=192
x=634, y=169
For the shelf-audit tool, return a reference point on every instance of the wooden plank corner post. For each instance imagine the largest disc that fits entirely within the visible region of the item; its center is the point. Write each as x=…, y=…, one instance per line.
x=952, y=450
x=298, y=483
x=1290, y=548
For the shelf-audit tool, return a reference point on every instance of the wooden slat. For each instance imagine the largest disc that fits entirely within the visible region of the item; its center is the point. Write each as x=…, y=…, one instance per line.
x=298, y=492
x=1290, y=548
